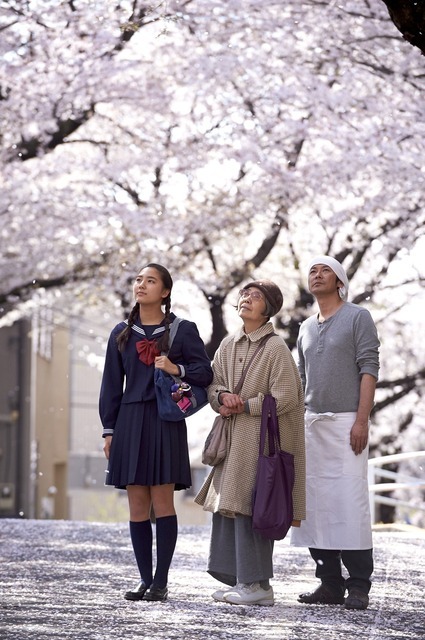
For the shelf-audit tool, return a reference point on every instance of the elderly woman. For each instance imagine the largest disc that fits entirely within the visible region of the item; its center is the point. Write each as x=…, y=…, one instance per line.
x=239, y=557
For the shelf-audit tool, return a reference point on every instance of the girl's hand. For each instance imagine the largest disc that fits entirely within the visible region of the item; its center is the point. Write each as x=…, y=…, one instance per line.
x=163, y=363
x=107, y=446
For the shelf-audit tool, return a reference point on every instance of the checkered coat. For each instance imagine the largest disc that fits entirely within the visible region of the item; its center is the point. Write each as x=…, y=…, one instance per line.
x=228, y=488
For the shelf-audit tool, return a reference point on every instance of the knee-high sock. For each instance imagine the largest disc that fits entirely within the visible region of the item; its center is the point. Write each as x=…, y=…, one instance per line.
x=166, y=537
x=141, y=538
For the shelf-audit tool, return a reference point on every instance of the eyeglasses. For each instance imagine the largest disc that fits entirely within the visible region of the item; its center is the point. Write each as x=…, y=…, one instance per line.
x=254, y=295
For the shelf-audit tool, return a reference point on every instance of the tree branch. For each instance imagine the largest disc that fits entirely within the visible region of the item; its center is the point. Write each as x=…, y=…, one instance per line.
x=80, y=272
x=402, y=387
x=29, y=148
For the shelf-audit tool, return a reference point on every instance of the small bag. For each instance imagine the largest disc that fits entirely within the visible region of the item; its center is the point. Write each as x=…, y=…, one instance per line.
x=191, y=401
x=272, y=506
x=215, y=447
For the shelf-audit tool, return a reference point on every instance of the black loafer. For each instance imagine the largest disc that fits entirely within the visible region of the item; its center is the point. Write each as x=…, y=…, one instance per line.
x=322, y=595
x=138, y=593
x=155, y=594
x=356, y=599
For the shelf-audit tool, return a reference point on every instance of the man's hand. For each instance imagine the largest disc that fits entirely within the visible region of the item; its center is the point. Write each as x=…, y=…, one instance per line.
x=360, y=430
x=359, y=436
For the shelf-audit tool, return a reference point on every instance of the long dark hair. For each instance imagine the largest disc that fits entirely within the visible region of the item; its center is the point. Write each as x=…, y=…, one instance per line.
x=162, y=342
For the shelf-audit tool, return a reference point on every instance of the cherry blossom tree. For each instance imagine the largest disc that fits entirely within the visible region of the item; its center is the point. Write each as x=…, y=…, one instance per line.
x=228, y=140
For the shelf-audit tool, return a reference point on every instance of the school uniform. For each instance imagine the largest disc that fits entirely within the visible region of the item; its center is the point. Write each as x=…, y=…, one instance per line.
x=145, y=449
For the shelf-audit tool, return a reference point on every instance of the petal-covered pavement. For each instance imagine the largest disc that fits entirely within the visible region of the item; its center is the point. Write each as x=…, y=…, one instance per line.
x=62, y=579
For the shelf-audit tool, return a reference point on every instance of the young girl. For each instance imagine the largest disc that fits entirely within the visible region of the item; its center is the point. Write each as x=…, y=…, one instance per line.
x=148, y=456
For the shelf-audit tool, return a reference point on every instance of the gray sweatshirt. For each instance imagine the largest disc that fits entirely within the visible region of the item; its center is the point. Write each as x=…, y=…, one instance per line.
x=333, y=355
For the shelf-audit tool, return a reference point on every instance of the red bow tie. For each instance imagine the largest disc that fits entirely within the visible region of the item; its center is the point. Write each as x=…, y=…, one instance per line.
x=147, y=351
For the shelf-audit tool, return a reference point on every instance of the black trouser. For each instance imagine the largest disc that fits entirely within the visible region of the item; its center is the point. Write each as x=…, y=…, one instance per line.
x=359, y=565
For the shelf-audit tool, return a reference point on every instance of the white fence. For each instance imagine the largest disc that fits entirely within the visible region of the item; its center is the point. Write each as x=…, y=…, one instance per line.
x=399, y=481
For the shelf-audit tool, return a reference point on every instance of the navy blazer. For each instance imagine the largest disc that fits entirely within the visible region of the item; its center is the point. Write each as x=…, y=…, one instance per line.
x=127, y=379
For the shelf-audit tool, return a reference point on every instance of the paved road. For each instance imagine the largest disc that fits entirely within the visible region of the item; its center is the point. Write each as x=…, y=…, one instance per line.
x=61, y=579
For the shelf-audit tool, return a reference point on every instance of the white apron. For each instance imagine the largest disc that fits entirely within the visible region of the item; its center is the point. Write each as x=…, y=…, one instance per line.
x=338, y=513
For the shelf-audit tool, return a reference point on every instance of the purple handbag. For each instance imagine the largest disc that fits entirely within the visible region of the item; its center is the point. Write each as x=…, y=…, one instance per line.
x=272, y=507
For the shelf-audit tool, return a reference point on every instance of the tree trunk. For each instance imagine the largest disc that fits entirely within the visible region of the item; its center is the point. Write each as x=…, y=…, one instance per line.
x=409, y=18
x=218, y=325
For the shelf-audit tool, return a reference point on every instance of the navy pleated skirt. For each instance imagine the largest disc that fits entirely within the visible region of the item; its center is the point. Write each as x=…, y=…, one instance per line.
x=146, y=450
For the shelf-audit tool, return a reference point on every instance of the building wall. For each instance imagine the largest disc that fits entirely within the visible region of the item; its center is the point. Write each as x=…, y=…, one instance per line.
x=9, y=420
x=52, y=417
x=15, y=355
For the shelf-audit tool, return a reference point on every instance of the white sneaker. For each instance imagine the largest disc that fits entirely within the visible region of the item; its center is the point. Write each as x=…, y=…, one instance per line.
x=250, y=594
x=220, y=593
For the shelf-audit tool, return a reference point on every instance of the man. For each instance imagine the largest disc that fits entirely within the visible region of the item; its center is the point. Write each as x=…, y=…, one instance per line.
x=338, y=362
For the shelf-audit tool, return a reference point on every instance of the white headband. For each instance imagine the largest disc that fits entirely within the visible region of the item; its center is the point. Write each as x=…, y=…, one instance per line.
x=337, y=268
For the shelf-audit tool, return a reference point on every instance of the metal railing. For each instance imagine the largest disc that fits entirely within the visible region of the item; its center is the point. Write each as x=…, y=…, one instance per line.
x=399, y=480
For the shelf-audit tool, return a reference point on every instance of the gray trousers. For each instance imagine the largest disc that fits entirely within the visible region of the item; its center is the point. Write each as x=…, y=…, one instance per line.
x=237, y=553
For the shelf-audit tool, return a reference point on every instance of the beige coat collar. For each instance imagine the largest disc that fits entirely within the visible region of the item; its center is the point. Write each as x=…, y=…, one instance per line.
x=256, y=335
